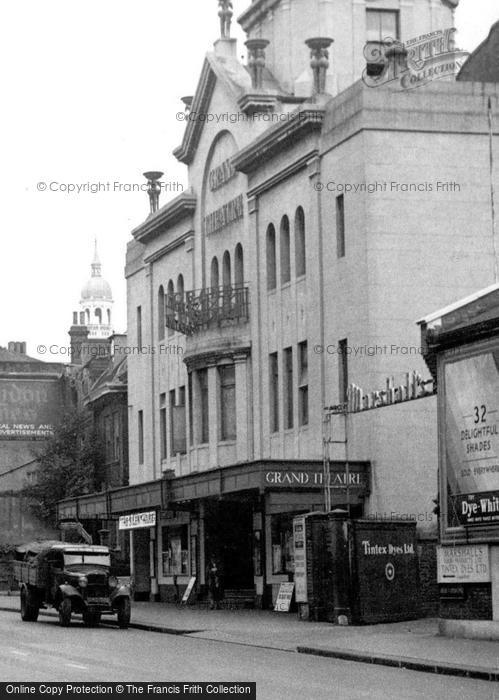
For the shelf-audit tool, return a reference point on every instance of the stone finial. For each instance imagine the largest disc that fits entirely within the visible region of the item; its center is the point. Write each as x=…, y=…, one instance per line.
x=319, y=61
x=256, y=60
x=153, y=188
x=225, y=13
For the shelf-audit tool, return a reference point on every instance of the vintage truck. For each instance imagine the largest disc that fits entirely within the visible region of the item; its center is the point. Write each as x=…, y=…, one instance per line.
x=72, y=578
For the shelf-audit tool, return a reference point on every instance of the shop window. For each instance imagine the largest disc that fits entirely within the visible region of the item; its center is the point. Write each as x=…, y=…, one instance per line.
x=340, y=226
x=288, y=387
x=227, y=378
x=140, y=426
x=271, y=258
x=300, y=255
x=162, y=425
x=282, y=543
x=274, y=392
x=177, y=423
x=303, y=383
x=175, y=550
x=285, y=251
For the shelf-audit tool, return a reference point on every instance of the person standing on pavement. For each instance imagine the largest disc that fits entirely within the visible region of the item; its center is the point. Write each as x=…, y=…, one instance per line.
x=214, y=584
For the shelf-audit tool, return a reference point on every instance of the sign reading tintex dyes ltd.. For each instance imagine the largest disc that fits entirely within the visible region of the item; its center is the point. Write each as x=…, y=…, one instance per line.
x=135, y=520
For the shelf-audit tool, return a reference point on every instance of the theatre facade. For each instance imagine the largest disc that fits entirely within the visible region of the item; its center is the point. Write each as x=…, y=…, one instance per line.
x=271, y=284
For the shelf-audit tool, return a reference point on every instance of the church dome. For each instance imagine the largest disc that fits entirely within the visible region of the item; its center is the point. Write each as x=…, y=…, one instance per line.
x=96, y=289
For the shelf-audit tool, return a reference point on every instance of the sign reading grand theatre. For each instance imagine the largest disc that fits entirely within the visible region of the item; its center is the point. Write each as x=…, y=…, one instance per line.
x=472, y=439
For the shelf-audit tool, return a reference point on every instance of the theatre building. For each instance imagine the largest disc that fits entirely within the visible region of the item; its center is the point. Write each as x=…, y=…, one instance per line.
x=462, y=351
x=324, y=214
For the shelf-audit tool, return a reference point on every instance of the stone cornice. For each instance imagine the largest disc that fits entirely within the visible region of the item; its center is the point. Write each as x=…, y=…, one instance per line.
x=279, y=137
x=170, y=214
x=284, y=174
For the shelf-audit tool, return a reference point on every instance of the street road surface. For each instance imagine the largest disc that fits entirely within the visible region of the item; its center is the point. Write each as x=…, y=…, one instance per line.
x=43, y=651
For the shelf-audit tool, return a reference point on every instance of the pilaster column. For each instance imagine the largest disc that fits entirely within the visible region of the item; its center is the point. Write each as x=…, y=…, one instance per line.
x=213, y=413
x=242, y=401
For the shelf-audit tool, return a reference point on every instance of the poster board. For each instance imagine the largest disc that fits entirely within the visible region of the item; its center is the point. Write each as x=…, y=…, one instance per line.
x=188, y=590
x=284, y=596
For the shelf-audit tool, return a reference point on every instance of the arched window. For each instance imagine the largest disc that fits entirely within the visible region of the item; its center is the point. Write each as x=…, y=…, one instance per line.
x=226, y=269
x=180, y=287
x=87, y=316
x=214, y=281
x=109, y=316
x=271, y=258
x=161, y=313
x=238, y=266
x=98, y=315
x=300, y=256
x=285, y=255
x=170, y=293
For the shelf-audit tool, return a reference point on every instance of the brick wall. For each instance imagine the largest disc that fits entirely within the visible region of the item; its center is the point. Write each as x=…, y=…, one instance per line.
x=477, y=604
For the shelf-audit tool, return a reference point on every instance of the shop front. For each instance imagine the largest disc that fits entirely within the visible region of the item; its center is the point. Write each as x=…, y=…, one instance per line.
x=462, y=350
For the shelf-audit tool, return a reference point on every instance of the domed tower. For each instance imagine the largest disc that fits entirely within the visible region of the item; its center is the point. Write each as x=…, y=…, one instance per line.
x=96, y=303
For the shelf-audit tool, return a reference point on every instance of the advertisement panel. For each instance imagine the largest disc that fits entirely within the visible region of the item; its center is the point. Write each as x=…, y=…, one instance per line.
x=300, y=558
x=463, y=564
x=472, y=439
x=29, y=408
x=137, y=520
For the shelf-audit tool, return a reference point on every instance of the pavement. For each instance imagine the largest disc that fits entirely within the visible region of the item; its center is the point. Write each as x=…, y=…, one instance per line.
x=413, y=645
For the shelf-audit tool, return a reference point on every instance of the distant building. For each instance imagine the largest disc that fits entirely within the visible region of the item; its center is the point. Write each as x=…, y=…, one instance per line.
x=33, y=395
x=96, y=303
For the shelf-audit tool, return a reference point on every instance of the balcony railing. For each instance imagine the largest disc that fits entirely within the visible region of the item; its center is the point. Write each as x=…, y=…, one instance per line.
x=202, y=308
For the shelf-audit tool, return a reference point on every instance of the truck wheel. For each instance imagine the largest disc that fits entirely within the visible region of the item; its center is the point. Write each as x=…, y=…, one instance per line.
x=29, y=608
x=124, y=613
x=65, y=612
x=91, y=619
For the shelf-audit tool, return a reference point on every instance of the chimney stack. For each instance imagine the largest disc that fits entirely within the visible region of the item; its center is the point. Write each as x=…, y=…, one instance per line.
x=319, y=61
x=153, y=188
x=17, y=348
x=256, y=60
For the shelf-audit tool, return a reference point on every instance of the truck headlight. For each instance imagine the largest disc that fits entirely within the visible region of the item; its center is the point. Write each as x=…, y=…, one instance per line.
x=113, y=582
x=83, y=581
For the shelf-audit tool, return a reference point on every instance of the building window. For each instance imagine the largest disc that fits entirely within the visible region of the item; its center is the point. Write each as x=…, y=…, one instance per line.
x=274, y=392
x=141, y=436
x=271, y=258
x=117, y=435
x=343, y=369
x=161, y=313
x=238, y=266
x=191, y=422
x=162, y=425
x=340, y=226
x=214, y=274
x=382, y=25
x=303, y=383
x=285, y=254
x=300, y=255
x=170, y=293
x=139, y=326
x=98, y=316
x=177, y=423
x=288, y=387
x=202, y=376
x=226, y=269
x=227, y=378
x=175, y=550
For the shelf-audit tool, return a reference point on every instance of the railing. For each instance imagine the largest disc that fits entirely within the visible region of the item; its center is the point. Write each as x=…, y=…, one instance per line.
x=202, y=308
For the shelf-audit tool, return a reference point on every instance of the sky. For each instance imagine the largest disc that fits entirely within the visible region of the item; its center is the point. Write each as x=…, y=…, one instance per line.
x=91, y=90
